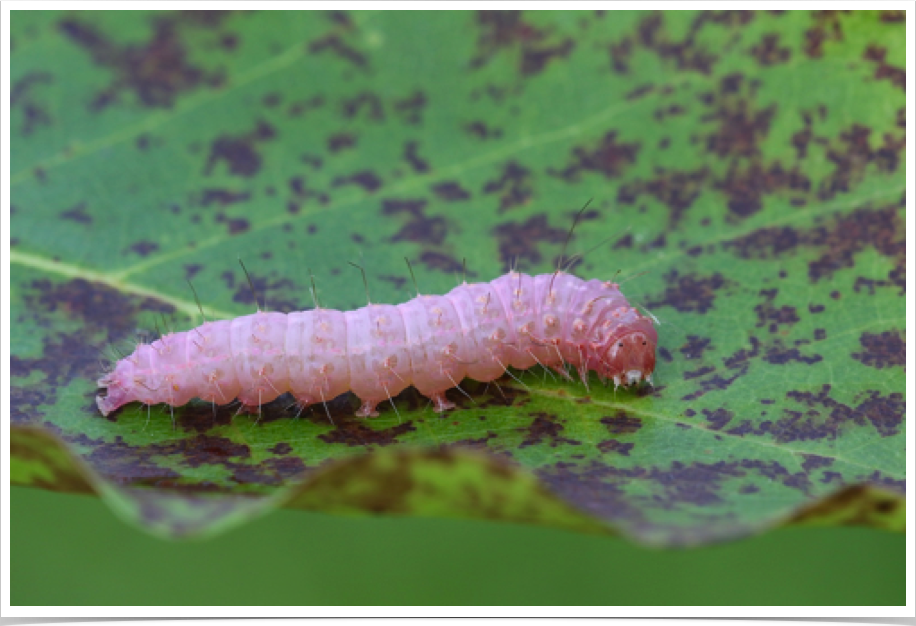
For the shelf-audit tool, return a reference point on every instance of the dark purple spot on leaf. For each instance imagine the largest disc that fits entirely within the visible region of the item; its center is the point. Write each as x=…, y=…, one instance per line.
x=238, y=152
x=23, y=98
x=609, y=158
x=513, y=185
x=451, y=191
x=887, y=349
x=156, y=71
x=621, y=424
x=78, y=214
x=336, y=46
x=412, y=156
x=521, y=241
x=691, y=293
x=367, y=180
x=768, y=51
x=411, y=108
x=223, y=197
x=612, y=445
x=545, y=427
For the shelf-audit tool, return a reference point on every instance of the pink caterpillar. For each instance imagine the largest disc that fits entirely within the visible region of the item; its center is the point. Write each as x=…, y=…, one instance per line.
x=431, y=342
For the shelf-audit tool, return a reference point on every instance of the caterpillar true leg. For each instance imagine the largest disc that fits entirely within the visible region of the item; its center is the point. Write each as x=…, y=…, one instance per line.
x=367, y=409
x=441, y=403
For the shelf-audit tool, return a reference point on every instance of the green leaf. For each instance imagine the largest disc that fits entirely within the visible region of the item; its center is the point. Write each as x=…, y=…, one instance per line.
x=747, y=174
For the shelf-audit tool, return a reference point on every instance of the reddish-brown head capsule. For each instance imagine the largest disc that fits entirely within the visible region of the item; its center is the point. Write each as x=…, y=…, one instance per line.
x=622, y=345
x=630, y=358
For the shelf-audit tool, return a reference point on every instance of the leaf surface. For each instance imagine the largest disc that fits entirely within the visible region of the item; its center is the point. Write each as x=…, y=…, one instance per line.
x=747, y=172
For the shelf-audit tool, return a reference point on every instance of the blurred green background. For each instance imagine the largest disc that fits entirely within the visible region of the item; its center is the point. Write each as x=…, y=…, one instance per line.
x=70, y=550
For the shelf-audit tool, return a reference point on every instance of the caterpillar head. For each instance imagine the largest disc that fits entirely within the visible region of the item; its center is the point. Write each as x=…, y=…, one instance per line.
x=628, y=357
